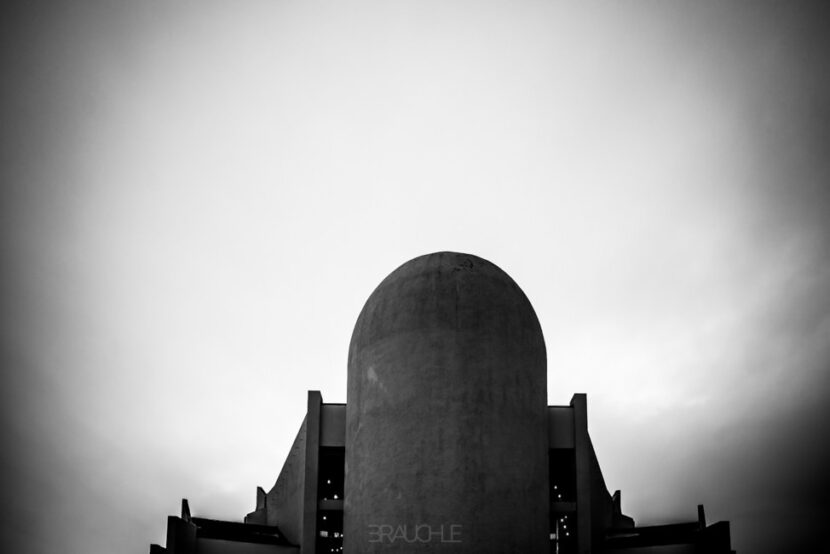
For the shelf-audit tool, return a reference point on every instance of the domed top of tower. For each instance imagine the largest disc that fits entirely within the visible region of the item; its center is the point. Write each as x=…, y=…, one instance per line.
x=450, y=292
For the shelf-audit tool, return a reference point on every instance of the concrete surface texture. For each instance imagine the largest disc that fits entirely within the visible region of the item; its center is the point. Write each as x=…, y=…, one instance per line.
x=446, y=414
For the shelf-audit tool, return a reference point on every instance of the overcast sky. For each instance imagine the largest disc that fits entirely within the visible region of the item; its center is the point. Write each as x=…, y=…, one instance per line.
x=198, y=197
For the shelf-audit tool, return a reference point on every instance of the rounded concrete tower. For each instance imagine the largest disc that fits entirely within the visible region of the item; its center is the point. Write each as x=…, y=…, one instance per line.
x=446, y=429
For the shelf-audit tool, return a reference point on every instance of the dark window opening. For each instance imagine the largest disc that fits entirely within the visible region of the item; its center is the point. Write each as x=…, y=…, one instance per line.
x=332, y=464
x=563, y=533
x=562, y=474
x=329, y=531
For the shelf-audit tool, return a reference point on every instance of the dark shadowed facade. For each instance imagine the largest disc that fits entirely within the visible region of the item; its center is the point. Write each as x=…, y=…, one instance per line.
x=446, y=442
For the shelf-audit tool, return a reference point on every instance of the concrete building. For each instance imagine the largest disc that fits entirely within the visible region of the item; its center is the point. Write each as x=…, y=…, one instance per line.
x=446, y=442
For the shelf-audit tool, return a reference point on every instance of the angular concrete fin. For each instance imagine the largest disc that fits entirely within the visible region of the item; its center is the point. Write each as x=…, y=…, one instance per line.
x=185, y=510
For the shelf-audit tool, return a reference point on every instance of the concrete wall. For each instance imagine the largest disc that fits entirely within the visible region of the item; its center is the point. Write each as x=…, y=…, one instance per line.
x=584, y=481
x=661, y=549
x=595, y=506
x=602, y=505
x=560, y=427
x=333, y=425
x=447, y=420
x=219, y=546
x=308, y=540
x=284, y=502
x=181, y=536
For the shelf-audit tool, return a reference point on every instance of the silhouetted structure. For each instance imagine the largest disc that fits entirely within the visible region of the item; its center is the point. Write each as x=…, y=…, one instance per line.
x=446, y=442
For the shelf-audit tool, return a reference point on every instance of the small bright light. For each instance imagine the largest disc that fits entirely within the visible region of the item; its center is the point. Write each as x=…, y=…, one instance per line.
x=335, y=497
